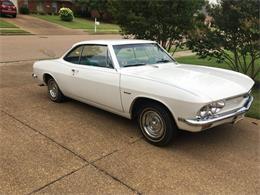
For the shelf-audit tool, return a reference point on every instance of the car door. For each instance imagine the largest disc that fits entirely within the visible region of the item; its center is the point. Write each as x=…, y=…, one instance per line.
x=94, y=78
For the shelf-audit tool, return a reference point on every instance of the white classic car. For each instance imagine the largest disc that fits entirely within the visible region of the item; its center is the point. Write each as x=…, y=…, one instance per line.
x=138, y=79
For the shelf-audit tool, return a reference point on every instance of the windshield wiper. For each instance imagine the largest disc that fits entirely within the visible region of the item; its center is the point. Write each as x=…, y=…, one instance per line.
x=162, y=61
x=137, y=64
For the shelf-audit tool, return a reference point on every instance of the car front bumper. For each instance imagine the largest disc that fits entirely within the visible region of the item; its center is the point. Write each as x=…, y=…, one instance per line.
x=230, y=117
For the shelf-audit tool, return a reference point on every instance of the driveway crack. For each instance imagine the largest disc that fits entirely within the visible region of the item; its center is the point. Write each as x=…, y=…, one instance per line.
x=76, y=154
x=52, y=182
x=116, y=179
x=46, y=136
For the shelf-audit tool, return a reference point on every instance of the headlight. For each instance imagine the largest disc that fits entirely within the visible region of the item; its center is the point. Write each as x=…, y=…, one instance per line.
x=211, y=109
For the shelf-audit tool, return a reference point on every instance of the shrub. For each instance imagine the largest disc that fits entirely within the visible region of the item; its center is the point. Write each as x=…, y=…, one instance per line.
x=24, y=10
x=66, y=14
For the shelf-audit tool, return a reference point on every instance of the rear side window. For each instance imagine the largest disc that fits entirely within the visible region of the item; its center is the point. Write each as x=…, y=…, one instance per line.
x=74, y=55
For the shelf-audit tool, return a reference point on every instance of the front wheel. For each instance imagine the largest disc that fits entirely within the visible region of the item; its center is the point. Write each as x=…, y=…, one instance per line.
x=54, y=91
x=157, y=124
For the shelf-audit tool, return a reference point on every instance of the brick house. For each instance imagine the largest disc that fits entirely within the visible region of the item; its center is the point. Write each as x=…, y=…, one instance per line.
x=45, y=6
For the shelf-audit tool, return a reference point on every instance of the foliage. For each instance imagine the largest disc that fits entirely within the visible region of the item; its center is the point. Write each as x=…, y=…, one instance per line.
x=233, y=36
x=24, y=10
x=66, y=14
x=166, y=22
x=101, y=6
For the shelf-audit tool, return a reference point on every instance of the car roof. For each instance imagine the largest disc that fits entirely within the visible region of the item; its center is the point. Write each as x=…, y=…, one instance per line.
x=115, y=42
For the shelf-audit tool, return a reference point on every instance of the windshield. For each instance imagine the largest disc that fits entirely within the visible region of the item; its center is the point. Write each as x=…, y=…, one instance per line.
x=7, y=3
x=140, y=54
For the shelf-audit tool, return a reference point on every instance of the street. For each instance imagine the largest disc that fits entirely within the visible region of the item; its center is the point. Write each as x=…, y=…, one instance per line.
x=24, y=48
x=71, y=147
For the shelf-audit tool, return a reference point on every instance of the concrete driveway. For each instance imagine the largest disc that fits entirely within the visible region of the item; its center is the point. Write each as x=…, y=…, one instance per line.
x=72, y=148
x=41, y=27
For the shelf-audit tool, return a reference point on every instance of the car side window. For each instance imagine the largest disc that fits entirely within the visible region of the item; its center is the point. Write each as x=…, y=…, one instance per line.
x=96, y=55
x=74, y=55
x=125, y=56
x=132, y=55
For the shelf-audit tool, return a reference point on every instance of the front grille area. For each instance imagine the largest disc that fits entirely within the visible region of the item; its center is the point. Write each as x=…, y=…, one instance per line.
x=235, y=103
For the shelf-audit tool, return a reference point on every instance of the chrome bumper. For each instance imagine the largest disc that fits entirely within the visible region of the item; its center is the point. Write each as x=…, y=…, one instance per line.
x=219, y=118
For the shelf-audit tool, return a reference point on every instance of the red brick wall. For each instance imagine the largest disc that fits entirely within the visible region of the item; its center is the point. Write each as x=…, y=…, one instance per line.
x=46, y=5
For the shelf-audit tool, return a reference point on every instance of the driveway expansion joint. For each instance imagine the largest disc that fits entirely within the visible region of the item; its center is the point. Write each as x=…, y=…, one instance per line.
x=106, y=155
x=116, y=179
x=77, y=155
x=46, y=136
x=60, y=178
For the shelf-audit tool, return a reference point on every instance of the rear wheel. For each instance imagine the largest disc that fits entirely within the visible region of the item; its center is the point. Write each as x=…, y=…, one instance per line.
x=54, y=91
x=14, y=15
x=157, y=124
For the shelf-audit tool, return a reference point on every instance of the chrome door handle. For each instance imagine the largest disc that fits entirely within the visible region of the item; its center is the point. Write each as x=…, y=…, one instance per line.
x=74, y=71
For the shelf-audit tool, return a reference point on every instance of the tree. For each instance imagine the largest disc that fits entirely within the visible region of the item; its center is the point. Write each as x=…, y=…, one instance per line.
x=101, y=6
x=233, y=36
x=81, y=8
x=166, y=22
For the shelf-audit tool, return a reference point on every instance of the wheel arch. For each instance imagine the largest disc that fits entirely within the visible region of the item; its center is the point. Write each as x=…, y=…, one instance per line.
x=46, y=77
x=143, y=99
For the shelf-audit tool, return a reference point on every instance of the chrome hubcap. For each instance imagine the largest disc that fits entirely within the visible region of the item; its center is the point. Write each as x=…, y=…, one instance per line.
x=53, y=89
x=152, y=124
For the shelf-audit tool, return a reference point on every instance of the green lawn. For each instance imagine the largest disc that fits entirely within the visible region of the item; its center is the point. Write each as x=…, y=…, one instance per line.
x=13, y=32
x=80, y=23
x=102, y=31
x=4, y=24
x=254, y=111
x=7, y=28
x=205, y=62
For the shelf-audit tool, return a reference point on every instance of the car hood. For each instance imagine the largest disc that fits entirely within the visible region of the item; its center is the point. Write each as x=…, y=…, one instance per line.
x=214, y=83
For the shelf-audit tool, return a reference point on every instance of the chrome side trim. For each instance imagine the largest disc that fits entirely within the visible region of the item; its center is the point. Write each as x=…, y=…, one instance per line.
x=200, y=122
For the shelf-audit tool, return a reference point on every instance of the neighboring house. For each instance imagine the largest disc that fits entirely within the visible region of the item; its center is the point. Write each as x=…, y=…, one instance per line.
x=208, y=19
x=45, y=6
